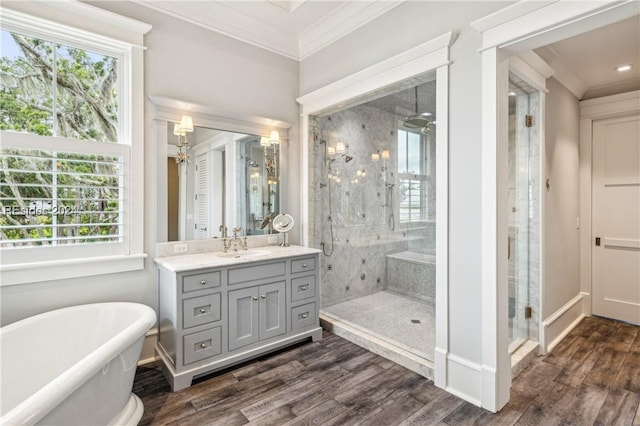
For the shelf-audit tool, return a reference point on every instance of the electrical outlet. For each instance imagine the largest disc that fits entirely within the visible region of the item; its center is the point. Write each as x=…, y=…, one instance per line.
x=180, y=248
x=273, y=239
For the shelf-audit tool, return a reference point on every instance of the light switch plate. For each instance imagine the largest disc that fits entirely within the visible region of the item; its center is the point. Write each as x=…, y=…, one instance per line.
x=180, y=248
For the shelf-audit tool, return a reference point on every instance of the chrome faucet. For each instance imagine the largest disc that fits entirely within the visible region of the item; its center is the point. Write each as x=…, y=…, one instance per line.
x=223, y=230
x=235, y=242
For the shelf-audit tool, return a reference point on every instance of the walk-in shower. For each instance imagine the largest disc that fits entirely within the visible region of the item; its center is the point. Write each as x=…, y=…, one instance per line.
x=524, y=212
x=372, y=212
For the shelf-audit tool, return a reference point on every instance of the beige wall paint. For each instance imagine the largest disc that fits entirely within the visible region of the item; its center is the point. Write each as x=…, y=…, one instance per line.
x=561, y=281
x=187, y=63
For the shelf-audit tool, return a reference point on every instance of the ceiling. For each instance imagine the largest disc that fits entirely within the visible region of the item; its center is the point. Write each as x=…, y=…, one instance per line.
x=298, y=28
x=292, y=28
x=592, y=58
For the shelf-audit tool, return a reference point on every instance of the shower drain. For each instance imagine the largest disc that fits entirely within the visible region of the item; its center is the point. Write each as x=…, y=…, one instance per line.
x=415, y=321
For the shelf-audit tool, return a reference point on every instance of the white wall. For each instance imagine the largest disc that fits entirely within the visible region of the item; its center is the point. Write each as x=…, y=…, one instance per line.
x=402, y=28
x=561, y=282
x=187, y=63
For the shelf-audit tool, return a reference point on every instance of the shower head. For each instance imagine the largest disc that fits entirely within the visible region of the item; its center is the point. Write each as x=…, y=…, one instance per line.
x=417, y=120
x=347, y=158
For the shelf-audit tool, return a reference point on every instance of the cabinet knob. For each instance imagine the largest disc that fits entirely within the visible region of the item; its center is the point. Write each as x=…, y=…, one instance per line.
x=203, y=310
x=203, y=282
x=304, y=287
x=304, y=265
x=203, y=345
x=254, y=297
x=264, y=296
x=304, y=316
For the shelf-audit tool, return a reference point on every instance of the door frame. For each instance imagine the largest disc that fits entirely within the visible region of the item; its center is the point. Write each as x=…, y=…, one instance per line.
x=432, y=55
x=590, y=111
x=518, y=28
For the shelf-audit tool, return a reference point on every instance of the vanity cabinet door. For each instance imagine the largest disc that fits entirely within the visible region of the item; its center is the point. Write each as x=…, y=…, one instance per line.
x=256, y=313
x=243, y=317
x=273, y=318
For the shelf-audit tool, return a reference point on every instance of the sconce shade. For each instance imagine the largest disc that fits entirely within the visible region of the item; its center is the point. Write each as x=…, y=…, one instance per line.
x=264, y=141
x=340, y=148
x=177, y=131
x=186, y=124
x=331, y=150
x=375, y=157
x=385, y=154
x=274, y=137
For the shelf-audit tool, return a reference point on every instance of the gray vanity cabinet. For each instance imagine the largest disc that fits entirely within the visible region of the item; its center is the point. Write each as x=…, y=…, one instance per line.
x=256, y=313
x=212, y=318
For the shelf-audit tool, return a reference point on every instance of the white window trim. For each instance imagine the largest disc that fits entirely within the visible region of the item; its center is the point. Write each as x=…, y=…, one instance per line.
x=69, y=20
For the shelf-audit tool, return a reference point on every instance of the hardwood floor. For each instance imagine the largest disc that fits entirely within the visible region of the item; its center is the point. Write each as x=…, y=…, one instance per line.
x=592, y=377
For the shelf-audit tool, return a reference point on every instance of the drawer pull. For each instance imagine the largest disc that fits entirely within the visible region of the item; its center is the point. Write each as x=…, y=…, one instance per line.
x=203, y=310
x=304, y=265
x=254, y=297
x=203, y=282
x=203, y=345
x=264, y=296
x=304, y=287
x=304, y=316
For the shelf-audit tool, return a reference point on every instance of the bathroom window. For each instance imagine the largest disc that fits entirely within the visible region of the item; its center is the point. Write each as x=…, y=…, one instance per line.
x=59, y=195
x=412, y=176
x=68, y=157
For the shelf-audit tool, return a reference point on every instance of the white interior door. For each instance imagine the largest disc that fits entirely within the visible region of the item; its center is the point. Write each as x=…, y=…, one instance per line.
x=616, y=219
x=202, y=197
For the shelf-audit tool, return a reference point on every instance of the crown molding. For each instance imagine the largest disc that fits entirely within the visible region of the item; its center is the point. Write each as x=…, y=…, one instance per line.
x=227, y=21
x=562, y=73
x=342, y=21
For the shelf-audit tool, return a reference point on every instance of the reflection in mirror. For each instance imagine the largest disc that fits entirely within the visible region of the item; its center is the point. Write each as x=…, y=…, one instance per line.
x=227, y=179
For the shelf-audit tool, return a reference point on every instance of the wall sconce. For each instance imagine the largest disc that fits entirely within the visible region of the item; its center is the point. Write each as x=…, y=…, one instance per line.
x=340, y=148
x=385, y=154
x=180, y=130
x=274, y=137
x=375, y=157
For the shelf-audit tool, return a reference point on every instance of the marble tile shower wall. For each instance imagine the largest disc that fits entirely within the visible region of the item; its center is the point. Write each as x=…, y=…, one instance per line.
x=354, y=197
x=524, y=222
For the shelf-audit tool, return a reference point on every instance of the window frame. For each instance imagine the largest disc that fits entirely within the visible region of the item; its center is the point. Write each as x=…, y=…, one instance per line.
x=422, y=176
x=61, y=262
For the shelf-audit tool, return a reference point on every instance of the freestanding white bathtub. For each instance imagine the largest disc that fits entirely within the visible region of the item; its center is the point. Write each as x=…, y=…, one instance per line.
x=73, y=366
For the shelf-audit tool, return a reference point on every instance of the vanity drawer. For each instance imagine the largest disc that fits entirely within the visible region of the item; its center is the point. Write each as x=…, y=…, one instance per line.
x=303, y=265
x=201, y=281
x=201, y=310
x=201, y=345
x=251, y=273
x=303, y=288
x=303, y=316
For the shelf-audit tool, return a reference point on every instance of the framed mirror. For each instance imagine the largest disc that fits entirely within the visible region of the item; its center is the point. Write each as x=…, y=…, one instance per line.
x=231, y=174
x=199, y=173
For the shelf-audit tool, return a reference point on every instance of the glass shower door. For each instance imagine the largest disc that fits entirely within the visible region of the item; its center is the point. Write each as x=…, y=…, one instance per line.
x=523, y=215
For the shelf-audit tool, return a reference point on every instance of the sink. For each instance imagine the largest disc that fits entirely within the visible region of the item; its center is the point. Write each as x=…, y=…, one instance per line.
x=243, y=254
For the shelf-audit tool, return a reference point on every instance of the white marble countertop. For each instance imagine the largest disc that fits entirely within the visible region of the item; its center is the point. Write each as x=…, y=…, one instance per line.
x=216, y=259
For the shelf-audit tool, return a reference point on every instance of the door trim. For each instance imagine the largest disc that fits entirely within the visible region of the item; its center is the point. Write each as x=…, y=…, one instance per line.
x=593, y=110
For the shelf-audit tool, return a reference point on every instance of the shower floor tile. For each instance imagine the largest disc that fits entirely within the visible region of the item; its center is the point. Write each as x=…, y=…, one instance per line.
x=406, y=322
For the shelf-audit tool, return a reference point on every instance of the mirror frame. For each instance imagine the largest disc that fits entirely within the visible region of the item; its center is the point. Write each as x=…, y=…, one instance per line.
x=165, y=110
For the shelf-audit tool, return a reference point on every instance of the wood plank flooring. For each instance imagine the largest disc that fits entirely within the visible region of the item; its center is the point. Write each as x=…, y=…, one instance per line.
x=592, y=377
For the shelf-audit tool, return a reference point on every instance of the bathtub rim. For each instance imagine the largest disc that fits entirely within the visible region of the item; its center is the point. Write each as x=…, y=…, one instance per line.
x=44, y=400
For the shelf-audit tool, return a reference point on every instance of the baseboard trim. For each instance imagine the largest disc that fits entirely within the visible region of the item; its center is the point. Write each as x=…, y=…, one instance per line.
x=464, y=379
x=560, y=323
x=148, y=353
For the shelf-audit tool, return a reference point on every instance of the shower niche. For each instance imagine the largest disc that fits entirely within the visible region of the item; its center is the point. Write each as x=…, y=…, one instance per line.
x=372, y=213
